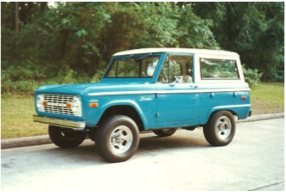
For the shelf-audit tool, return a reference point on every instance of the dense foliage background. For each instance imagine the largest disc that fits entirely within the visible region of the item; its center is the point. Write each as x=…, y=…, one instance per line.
x=72, y=42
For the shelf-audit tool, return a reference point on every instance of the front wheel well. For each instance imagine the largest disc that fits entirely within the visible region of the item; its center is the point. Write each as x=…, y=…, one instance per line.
x=123, y=110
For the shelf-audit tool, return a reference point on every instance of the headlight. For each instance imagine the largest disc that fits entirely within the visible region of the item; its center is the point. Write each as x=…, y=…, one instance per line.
x=76, y=106
x=40, y=106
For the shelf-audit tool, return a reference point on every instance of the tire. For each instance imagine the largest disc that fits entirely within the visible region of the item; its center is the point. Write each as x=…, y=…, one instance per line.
x=220, y=129
x=117, y=138
x=165, y=132
x=65, y=138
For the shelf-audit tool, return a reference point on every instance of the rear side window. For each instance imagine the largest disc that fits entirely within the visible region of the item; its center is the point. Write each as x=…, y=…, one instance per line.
x=218, y=69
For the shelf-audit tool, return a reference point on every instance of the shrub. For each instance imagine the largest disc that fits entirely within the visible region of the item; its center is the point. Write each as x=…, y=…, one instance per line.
x=252, y=76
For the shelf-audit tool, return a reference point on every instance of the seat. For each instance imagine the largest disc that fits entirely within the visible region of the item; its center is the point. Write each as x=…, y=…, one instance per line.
x=187, y=79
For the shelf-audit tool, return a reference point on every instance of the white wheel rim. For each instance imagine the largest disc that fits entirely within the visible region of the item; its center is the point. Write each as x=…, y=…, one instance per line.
x=223, y=127
x=121, y=139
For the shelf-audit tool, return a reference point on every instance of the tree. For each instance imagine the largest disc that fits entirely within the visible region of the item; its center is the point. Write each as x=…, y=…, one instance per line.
x=75, y=40
x=253, y=29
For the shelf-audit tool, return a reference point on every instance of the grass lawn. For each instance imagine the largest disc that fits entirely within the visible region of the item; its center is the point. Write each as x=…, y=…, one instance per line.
x=16, y=112
x=267, y=98
x=16, y=118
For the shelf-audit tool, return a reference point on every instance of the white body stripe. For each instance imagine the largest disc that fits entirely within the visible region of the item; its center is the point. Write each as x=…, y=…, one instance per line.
x=166, y=92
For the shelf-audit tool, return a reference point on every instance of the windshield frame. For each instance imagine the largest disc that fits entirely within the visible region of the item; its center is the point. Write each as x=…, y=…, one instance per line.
x=122, y=57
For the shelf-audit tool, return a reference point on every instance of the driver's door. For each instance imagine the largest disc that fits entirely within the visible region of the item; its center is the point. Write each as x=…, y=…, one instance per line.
x=177, y=97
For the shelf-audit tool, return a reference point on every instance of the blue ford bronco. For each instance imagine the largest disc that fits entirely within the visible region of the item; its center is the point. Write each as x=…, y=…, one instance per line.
x=157, y=89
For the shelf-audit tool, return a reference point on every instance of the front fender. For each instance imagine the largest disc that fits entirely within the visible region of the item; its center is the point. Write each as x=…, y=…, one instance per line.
x=94, y=117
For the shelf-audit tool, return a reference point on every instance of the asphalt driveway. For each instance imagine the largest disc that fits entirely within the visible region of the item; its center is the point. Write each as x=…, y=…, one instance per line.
x=183, y=162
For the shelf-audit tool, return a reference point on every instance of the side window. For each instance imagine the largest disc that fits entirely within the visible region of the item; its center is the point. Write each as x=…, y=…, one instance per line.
x=177, y=68
x=218, y=69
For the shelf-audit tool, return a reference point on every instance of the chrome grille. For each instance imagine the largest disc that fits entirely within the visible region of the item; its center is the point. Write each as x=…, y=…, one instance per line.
x=57, y=104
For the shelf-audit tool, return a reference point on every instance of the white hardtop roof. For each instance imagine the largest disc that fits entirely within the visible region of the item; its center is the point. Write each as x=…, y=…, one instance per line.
x=175, y=50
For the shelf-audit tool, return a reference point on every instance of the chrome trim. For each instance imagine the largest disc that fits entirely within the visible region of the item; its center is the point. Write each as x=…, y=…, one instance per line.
x=122, y=93
x=166, y=92
x=93, y=101
x=202, y=91
x=76, y=125
x=232, y=106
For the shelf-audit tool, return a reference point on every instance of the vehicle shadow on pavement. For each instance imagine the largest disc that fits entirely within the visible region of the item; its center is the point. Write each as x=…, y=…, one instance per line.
x=166, y=143
x=87, y=153
x=173, y=142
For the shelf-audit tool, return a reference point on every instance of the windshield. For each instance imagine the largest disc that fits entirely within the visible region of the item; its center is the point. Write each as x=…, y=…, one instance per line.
x=133, y=67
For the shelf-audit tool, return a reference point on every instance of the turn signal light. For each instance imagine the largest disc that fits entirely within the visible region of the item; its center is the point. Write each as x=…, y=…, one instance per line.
x=93, y=105
x=68, y=105
x=45, y=103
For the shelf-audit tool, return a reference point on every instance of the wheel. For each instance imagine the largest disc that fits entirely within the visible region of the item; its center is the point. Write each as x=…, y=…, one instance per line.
x=117, y=138
x=65, y=138
x=220, y=129
x=165, y=132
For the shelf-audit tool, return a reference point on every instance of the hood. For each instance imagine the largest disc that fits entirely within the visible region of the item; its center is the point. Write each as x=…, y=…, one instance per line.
x=74, y=89
x=81, y=89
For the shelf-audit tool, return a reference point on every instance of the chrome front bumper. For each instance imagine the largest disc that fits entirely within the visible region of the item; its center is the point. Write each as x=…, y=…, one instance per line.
x=76, y=125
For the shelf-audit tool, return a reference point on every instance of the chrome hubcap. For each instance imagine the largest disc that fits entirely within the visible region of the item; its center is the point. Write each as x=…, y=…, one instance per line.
x=223, y=127
x=121, y=139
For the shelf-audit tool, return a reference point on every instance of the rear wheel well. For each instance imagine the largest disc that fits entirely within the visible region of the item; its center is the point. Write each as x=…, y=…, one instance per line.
x=232, y=112
x=123, y=110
